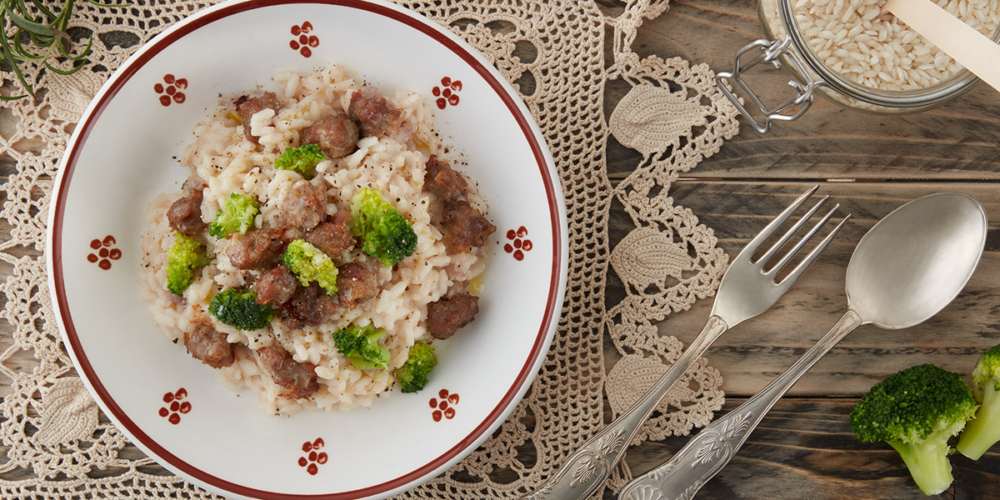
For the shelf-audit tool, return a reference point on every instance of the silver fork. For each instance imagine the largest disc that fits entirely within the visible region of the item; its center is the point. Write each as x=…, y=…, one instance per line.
x=746, y=291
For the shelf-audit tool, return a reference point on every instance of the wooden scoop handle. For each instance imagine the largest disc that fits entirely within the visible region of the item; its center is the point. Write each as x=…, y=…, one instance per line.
x=970, y=48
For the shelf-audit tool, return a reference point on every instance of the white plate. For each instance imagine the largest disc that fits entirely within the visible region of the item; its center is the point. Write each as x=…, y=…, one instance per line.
x=123, y=153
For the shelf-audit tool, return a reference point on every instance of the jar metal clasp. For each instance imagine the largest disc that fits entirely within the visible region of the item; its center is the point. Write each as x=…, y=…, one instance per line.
x=769, y=51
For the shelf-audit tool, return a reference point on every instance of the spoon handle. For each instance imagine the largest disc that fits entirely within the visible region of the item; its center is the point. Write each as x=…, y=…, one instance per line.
x=587, y=469
x=708, y=452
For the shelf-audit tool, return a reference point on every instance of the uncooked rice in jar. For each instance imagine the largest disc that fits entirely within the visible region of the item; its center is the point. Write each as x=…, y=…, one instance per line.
x=854, y=40
x=229, y=163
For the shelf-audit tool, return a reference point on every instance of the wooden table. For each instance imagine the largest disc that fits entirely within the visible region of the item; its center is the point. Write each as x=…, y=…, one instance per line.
x=871, y=164
x=804, y=449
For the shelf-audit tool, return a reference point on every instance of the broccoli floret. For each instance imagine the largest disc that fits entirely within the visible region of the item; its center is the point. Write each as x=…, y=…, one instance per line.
x=186, y=255
x=915, y=411
x=302, y=160
x=309, y=263
x=239, y=308
x=412, y=376
x=237, y=215
x=360, y=345
x=984, y=431
x=387, y=235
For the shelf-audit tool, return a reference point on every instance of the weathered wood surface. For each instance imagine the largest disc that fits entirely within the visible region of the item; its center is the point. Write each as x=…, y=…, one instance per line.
x=805, y=449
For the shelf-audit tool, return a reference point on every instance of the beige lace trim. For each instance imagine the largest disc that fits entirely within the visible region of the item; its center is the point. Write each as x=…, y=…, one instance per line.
x=61, y=447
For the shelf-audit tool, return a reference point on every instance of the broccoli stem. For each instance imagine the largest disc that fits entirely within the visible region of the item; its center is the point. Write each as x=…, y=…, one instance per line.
x=928, y=464
x=983, y=432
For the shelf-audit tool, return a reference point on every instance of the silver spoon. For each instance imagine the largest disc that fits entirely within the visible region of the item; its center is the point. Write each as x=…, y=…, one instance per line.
x=906, y=268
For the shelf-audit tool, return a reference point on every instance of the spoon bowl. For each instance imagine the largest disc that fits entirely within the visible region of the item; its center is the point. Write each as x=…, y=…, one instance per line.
x=914, y=262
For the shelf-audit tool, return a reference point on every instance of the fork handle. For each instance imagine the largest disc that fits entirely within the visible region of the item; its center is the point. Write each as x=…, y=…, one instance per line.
x=588, y=468
x=708, y=452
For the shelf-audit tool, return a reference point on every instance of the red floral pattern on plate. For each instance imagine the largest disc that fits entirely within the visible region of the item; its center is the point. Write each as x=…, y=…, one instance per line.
x=315, y=458
x=445, y=407
x=106, y=252
x=519, y=243
x=170, y=89
x=303, y=40
x=447, y=93
x=175, y=406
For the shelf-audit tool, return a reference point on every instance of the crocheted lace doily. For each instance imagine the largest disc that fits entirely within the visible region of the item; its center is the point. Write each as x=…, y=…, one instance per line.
x=60, y=446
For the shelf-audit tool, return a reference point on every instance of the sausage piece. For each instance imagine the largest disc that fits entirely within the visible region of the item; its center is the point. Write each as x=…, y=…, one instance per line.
x=441, y=180
x=209, y=345
x=336, y=134
x=464, y=227
x=446, y=316
x=303, y=206
x=259, y=249
x=247, y=106
x=377, y=116
x=184, y=214
x=298, y=380
x=333, y=238
x=276, y=287
x=310, y=305
x=355, y=284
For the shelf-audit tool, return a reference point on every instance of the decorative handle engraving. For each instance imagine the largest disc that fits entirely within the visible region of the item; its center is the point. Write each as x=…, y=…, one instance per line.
x=587, y=469
x=722, y=443
x=697, y=462
x=600, y=460
x=708, y=452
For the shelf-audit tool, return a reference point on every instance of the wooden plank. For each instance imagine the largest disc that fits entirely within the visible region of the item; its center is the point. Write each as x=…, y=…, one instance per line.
x=805, y=449
x=955, y=141
x=753, y=353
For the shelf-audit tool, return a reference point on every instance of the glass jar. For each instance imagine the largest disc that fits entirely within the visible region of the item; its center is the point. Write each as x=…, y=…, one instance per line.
x=786, y=46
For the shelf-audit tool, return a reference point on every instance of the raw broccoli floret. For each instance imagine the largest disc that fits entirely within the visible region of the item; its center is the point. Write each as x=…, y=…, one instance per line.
x=239, y=308
x=915, y=411
x=186, y=255
x=984, y=431
x=412, y=376
x=302, y=159
x=237, y=215
x=387, y=235
x=360, y=345
x=309, y=263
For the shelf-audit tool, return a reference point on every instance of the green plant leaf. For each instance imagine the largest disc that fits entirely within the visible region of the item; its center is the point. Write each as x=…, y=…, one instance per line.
x=40, y=6
x=81, y=55
x=36, y=28
x=44, y=33
x=24, y=55
x=8, y=54
x=64, y=72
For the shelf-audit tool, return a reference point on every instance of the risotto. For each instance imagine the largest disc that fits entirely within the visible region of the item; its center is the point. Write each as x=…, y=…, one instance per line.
x=273, y=263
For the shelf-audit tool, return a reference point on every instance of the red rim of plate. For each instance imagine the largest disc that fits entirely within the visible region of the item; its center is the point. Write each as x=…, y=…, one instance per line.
x=122, y=77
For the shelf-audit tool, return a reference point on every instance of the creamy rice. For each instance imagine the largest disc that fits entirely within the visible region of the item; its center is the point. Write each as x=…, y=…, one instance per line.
x=229, y=163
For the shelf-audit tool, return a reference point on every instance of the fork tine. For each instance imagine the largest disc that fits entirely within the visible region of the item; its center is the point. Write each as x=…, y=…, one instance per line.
x=801, y=268
x=756, y=242
x=788, y=234
x=805, y=239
